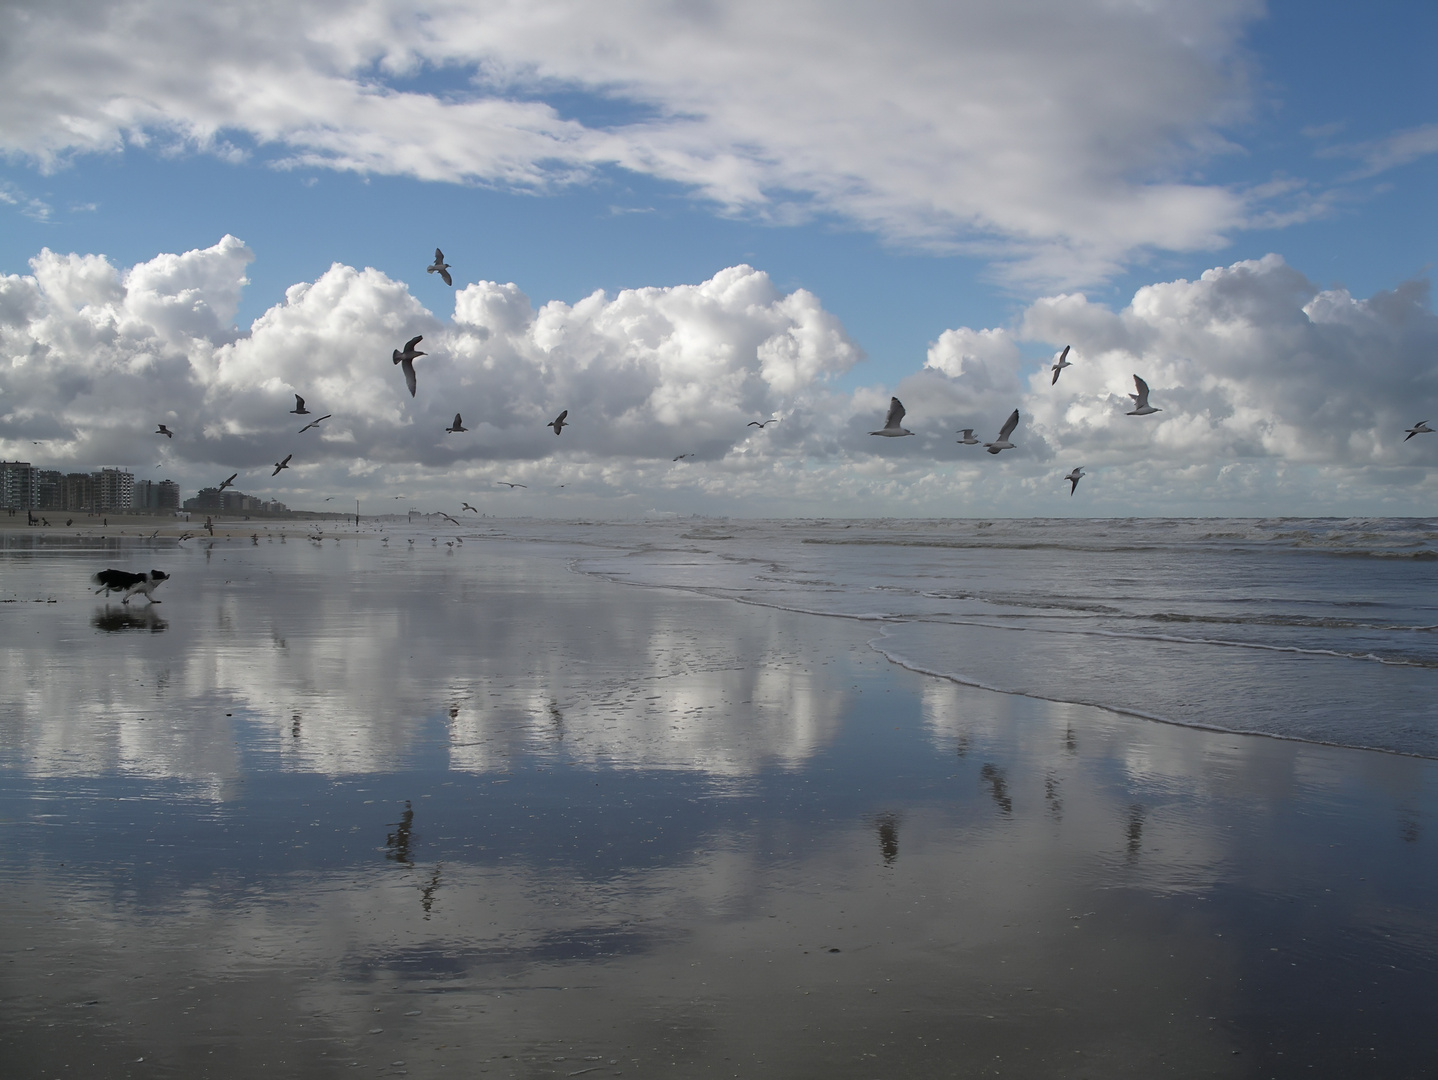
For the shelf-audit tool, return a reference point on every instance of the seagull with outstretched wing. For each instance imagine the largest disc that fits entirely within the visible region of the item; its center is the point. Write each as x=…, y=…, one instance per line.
x=440, y=267
x=892, y=428
x=1002, y=442
x=406, y=360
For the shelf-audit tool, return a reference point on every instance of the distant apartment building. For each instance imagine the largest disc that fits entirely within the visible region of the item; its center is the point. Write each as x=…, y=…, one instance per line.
x=24, y=487
x=150, y=495
x=17, y=485
x=232, y=502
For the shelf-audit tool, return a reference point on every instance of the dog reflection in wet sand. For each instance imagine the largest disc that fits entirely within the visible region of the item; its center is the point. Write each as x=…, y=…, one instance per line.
x=122, y=581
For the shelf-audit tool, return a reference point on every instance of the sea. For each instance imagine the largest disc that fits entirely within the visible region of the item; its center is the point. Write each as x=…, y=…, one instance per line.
x=1324, y=630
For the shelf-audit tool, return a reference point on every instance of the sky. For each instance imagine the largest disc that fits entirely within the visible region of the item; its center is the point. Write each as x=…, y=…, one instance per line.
x=674, y=218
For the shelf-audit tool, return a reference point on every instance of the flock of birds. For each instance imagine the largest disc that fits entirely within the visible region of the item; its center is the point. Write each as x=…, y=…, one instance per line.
x=893, y=422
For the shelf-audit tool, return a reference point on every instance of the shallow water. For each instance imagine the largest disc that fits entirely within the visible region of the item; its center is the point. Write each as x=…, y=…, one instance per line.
x=333, y=807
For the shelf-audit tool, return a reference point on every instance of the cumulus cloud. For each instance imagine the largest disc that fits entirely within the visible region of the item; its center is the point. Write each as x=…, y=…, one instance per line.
x=1271, y=389
x=97, y=357
x=1054, y=134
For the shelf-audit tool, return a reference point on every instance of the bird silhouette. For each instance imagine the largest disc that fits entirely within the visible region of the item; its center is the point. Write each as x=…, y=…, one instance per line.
x=458, y=425
x=299, y=409
x=282, y=465
x=406, y=360
x=558, y=422
x=166, y=432
x=440, y=267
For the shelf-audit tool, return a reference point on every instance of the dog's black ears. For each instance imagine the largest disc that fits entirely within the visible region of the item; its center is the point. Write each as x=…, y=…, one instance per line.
x=159, y=575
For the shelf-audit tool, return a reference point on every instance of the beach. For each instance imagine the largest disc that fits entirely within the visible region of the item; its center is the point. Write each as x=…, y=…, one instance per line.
x=537, y=799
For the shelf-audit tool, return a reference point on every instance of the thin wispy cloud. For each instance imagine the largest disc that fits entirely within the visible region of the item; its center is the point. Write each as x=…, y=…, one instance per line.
x=1391, y=152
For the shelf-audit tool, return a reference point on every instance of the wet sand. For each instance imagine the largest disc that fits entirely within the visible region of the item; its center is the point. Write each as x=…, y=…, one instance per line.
x=339, y=808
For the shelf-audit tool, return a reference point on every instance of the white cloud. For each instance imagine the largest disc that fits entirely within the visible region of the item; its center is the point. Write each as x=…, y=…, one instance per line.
x=1390, y=152
x=1276, y=395
x=93, y=359
x=1055, y=134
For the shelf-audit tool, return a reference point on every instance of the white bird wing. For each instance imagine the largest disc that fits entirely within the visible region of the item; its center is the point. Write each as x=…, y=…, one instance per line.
x=1063, y=356
x=1009, y=425
x=896, y=413
x=1142, y=396
x=409, y=380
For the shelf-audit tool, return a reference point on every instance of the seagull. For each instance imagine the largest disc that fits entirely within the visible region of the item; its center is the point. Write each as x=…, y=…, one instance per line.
x=166, y=432
x=282, y=465
x=1075, y=476
x=407, y=359
x=968, y=437
x=228, y=482
x=681, y=457
x=1420, y=428
x=766, y=423
x=1061, y=363
x=440, y=267
x=466, y=506
x=891, y=427
x=299, y=409
x=507, y=484
x=1141, y=407
x=558, y=422
x=458, y=425
x=448, y=518
x=1002, y=442
x=315, y=423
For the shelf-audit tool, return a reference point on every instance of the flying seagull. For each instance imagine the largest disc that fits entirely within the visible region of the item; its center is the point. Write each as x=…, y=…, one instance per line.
x=968, y=437
x=407, y=358
x=315, y=423
x=1059, y=365
x=465, y=506
x=558, y=423
x=891, y=427
x=299, y=409
x=458, y=425
x=440, y=267
x=229, y=482
x=282, y=465
x=1420, y=428
x=507, y=484
x=1002, y=442
x=448, y=518
x=1074, y=477
x=166, y=432
x=1141, y=407
x=766, y=423
x=681, y=457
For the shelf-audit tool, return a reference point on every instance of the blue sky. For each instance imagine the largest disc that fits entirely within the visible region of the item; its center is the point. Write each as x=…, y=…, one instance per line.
x=1197, y=136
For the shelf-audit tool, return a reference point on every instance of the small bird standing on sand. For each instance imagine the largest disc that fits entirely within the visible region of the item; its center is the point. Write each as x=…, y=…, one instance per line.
x=299, y=409
x=406, y=360
x=166, y=432
x=315, y=423
x=1420, y=428
x=282, y=465
x=968, y=437
x=1061, y=363
x=1141, y=407
x=458, y=425
x=440, y=267
x=891, y=428
x=229, y=482
x=1074, y=477
x=1002, y=442
x=558, y=422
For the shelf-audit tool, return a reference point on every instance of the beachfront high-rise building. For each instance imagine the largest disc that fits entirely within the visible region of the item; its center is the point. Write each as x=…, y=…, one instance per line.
x=150, y=495
x=17, y=485
x=114, y=489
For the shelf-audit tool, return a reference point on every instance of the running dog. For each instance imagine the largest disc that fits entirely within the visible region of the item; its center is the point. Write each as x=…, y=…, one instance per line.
x=129, y=584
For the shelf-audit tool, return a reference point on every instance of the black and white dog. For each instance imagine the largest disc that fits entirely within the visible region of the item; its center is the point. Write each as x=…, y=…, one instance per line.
x=129, y=584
